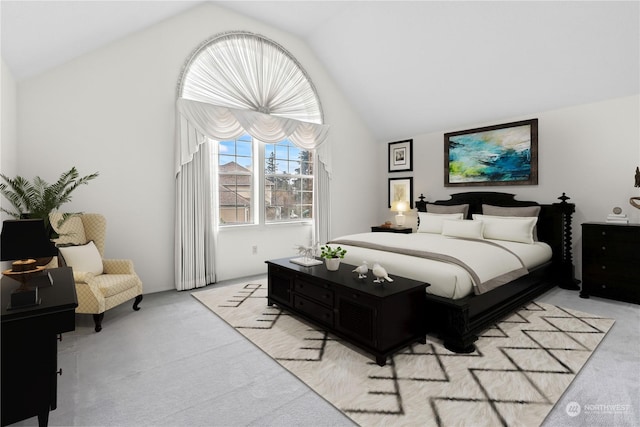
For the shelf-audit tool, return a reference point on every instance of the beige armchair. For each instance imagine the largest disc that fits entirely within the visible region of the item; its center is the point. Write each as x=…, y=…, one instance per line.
x=101, y=284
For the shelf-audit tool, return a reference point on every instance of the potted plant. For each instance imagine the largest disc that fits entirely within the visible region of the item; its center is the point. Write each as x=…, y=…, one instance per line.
x=332, y=256
x=38, y=198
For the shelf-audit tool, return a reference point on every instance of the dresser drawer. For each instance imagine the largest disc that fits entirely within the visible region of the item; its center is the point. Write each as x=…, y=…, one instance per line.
x=319, y=293
x=314, y=310
x=603, y=249
x=612, y=268
x=624, y=290
x=622, y=234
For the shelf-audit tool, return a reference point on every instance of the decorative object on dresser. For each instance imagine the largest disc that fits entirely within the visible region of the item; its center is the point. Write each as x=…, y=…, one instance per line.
x=378, y=319
x=332, y=256
x=401, y=189
x=29, y=347
x=617, y=217
x=401, y=156
x=610, y=260
x=21, y=241
x=362, y=270
x=505, y=154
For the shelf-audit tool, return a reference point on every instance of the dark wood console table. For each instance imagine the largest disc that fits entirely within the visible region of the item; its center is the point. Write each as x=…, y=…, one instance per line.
x=30, y=348
x=379, y=318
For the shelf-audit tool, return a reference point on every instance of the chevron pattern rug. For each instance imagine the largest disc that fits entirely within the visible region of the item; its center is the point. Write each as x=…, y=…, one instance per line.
x=520, y=369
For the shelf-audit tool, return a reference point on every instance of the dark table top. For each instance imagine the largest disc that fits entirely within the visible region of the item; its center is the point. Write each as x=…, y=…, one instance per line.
x=57, y=294
x=347, y=278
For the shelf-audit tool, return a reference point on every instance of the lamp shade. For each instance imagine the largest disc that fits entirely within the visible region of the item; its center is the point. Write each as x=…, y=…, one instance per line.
x=399, y=206
x=25, y=238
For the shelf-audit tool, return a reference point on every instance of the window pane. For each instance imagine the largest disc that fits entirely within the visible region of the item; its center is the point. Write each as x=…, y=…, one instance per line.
x=235, y=181
x=288, y=184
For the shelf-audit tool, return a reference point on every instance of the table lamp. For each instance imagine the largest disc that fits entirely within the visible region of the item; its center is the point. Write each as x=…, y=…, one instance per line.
x=400, y=206
x=21, y=241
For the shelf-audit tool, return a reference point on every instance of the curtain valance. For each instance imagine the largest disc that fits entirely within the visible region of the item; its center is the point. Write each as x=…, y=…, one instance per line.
x=198, y=121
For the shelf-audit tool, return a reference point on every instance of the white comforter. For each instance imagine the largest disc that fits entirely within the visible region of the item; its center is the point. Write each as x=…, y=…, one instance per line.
x=488, y=259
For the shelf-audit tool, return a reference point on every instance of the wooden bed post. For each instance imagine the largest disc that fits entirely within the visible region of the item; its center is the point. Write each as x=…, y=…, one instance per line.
x=566, y=267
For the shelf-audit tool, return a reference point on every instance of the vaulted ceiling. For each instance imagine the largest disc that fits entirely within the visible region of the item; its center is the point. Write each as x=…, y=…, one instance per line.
x=407, y=67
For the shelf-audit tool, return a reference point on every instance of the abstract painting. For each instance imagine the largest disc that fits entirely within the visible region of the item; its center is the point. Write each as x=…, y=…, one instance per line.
x=505, y=154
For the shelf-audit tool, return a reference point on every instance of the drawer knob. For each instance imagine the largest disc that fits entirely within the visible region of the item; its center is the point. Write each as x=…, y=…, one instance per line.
x=604, y=248
x=604, y=267
x=604, y=233
x=604, y=286
x=59, y=372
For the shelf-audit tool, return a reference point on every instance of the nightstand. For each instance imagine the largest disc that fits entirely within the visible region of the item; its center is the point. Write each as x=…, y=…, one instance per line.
x=403, y=230
x=610, y=261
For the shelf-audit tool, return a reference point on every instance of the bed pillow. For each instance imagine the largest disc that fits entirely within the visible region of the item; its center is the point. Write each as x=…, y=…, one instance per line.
x=432, y=222
x=510, y=228
x=463, y=228
x=450, y=209
x=528, y=211
x=84, y=258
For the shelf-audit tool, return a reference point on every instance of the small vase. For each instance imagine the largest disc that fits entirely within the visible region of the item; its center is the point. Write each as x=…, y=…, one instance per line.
x=332, y=263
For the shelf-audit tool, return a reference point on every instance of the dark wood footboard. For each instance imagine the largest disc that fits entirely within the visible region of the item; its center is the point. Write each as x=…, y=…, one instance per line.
x=458, y=322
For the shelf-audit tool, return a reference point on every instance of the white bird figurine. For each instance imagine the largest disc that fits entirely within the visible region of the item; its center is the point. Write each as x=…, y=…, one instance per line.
x=362, y=270
x=380, y=273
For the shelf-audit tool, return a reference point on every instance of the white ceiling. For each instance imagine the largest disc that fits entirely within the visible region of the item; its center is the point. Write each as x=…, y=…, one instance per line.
x=408, y=67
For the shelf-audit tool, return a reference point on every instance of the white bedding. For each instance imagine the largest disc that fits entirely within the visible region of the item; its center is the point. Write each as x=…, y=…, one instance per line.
x=446, y=279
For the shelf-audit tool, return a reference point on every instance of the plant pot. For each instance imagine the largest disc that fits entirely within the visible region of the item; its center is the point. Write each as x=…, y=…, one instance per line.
x=332, y=264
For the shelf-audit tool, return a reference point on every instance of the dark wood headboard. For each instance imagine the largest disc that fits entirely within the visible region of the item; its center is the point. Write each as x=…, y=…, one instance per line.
x=554, y=222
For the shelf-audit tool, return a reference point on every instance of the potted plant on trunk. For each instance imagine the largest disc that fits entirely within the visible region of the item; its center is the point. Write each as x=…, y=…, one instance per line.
x=34, y=200
x=332, y=256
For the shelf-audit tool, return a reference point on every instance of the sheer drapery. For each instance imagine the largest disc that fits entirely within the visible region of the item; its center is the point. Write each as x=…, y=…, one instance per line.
x=223, y=123
x=195, y=239
x=233, y=84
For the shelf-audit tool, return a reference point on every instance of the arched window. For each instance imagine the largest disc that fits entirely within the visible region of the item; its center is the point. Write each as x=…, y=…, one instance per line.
x=250, y=95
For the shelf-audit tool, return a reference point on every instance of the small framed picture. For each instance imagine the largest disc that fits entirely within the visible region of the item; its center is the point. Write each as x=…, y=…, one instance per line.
x=400, y=156
x=401, y=189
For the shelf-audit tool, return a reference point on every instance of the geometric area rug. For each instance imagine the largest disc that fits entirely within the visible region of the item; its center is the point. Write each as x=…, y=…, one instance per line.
x=520, y=369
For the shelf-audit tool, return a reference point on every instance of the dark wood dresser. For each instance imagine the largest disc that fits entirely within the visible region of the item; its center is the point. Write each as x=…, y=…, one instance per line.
x=378, y=318
x=611, y=261
x=30, y=346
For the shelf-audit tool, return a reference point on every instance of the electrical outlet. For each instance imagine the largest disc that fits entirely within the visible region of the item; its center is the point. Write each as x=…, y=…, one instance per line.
x=254, y=249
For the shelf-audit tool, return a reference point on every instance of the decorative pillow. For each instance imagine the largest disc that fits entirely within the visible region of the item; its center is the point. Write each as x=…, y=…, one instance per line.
x=511, y=228
x=71, y=231
x=528, y=211
x=432, y=223
x=84, y=258
x=463, y=228
x=444, y=209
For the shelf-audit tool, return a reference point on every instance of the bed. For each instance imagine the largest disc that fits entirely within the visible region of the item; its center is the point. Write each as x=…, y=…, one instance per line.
x=474, y=300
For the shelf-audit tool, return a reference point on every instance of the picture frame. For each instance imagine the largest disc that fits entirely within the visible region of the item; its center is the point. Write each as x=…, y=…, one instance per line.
x=401, y=189
x=504, y=154
x=401, y=156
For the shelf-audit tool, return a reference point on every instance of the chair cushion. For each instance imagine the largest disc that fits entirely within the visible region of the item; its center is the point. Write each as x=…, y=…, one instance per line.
x=113, y=284
x=84, y=258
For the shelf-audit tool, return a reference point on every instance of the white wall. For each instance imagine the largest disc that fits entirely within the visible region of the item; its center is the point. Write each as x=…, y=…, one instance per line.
x=8, y=130
x=112, y=111
x=589, y=152
x=8, y=134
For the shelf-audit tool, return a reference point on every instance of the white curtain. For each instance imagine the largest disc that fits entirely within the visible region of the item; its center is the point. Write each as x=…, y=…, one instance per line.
x=233, y=84
x=194, y=234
